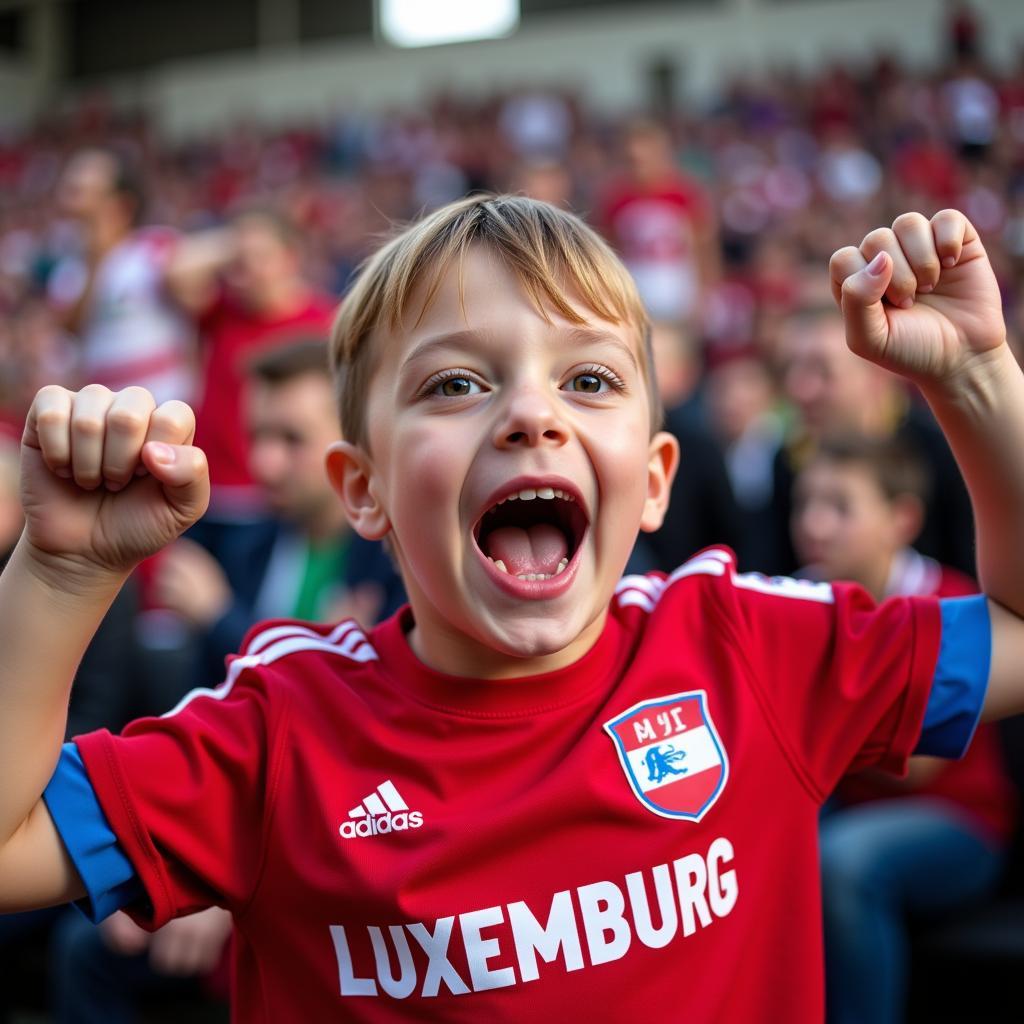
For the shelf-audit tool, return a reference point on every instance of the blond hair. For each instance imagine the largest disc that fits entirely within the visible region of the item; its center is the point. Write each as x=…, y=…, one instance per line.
x=550, y=250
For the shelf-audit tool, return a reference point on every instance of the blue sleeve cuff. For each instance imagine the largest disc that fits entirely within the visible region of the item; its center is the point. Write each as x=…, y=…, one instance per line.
x=960, y=680
x=107, y=874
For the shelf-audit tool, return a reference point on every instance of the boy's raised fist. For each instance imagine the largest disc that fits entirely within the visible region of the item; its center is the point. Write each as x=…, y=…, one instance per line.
x=107, y=478
x=942, y=307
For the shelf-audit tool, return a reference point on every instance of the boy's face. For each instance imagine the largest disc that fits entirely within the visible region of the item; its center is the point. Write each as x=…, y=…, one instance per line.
x=843, y=523
x=481, y=400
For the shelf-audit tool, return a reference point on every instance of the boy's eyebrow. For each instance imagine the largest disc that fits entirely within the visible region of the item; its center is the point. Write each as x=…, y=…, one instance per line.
x=575, y=336
x=589, y=336
x=450, y=339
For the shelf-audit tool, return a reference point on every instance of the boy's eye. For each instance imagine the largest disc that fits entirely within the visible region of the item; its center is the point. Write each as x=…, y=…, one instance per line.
x=588, y=383
x=594, y=380
x=456, y=387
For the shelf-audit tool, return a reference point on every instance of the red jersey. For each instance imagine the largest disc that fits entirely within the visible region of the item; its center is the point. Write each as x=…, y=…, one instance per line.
x=231, y=335
x=621, y=835
x=978, y=782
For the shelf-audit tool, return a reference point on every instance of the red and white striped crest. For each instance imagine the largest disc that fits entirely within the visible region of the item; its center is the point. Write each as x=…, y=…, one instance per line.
x=671, y=753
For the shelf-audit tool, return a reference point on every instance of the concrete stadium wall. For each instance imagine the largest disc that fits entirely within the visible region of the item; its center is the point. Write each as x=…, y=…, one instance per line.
x=605, y=54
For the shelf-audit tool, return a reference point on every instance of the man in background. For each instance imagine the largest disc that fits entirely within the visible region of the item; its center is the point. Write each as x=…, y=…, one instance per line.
x=832, y=391
x=662, y=225
x=245, y=286
x=304, y=562
x=111, y=295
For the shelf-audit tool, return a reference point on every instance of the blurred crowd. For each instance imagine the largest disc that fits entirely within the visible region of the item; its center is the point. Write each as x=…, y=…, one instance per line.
x=208, y=270
x=727, y=214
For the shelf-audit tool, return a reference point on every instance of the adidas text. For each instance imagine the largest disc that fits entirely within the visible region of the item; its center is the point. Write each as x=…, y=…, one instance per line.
x=381, y=825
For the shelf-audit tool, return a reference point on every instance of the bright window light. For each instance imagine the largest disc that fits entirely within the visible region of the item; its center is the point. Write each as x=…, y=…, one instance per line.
x=419, y=23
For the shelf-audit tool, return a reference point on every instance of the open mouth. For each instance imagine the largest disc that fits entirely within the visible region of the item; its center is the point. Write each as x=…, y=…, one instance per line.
x=532, y=533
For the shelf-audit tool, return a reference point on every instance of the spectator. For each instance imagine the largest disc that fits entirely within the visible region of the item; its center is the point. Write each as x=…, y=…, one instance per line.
x=963, y=29
x=971, y=108
x=245, y=285
x=102, y=973
x=304, y=563
x=34, y=351
x=662, y=225
x=111, y=294
x=832, y=391
x=702, y=510
x=545, y=179
x=743, y=412
x=933, y=842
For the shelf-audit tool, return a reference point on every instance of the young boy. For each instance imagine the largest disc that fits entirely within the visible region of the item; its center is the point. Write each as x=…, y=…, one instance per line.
x=932, y=842
x=539, y=790
x=858, y=506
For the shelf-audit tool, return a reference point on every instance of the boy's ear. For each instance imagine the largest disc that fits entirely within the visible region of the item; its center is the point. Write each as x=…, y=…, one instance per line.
x=351, y=474
x=907, y=518
x=662, y=462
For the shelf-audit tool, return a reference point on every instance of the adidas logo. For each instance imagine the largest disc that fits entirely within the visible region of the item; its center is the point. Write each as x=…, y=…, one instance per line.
x=381, y=812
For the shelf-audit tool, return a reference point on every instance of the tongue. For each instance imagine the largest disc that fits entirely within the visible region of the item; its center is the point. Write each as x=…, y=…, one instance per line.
x=533, y=549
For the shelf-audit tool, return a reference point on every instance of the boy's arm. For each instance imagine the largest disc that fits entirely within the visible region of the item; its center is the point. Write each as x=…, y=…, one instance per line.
x=35, y=868
x=191, y=275
x=984, y=421
x=942, y=327
x=107, y=479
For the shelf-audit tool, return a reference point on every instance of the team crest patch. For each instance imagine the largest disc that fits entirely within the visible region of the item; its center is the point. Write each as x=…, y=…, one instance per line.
x=671, y=754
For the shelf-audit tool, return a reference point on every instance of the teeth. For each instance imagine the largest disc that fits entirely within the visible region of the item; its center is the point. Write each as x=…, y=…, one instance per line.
x=531, y=577
x=530, y=493
x=500, y=564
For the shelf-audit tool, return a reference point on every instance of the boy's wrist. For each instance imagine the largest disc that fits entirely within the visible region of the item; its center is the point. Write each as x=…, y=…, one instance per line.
x=65, y=576
x=976, y=385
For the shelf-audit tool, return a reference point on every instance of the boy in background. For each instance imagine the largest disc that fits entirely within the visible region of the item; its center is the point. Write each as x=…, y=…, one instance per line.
x=539, y=789
x=934, y=841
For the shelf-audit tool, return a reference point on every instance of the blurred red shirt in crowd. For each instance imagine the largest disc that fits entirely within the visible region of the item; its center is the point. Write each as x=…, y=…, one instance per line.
x=244, y=284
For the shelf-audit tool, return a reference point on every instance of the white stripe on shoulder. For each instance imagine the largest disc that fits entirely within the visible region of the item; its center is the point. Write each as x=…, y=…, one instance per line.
x=634, y=597
x=785, y=586
x=650, y=585
x=646, y=591
x=718, y=554
x=268, y=636
x=285, y=640
x=703, y=566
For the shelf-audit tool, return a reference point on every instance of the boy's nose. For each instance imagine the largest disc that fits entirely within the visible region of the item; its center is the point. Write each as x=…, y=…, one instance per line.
x=531, y=419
